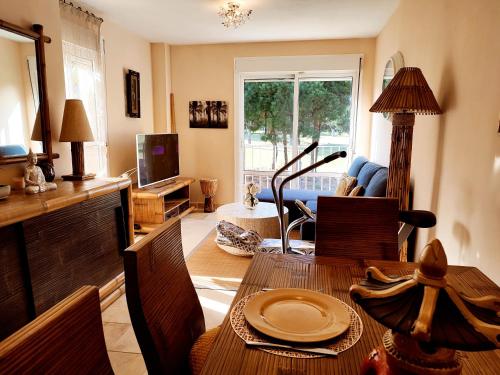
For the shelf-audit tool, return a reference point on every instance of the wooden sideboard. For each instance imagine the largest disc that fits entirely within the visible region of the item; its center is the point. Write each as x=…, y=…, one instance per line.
x=54, y=242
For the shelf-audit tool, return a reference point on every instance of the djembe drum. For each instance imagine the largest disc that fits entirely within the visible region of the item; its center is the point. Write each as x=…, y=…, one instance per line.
x=208, y=188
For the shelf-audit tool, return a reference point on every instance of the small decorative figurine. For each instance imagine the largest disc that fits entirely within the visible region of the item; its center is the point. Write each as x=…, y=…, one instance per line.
x=250, y=199
x=428, y=318
x=34, y=178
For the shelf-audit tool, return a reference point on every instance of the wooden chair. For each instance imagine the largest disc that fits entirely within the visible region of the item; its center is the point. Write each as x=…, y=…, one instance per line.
x=66, y=339
x=165, y=311
x=359, y=228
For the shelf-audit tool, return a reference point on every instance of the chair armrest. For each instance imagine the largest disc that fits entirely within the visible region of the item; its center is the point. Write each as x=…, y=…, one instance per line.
x=418, y=218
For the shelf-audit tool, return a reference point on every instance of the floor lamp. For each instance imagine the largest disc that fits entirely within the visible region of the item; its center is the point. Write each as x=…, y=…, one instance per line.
x=406, y=95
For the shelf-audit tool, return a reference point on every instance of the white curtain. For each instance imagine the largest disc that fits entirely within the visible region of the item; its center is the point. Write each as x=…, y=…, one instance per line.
x=84, y=78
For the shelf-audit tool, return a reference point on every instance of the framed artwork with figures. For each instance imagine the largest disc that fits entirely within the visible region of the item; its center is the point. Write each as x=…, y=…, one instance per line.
x=133, y=94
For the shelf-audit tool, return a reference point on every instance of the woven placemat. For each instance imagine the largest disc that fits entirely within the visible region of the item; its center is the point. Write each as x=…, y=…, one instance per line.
x=341, y=343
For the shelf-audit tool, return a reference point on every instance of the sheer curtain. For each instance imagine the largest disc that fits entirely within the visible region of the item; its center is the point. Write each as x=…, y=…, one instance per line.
x=84, y=78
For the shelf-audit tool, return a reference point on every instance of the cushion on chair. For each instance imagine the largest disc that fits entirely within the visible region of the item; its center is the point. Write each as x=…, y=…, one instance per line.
x=366, y=173
x=356, y=166
x=378, y=184
x=200, y=350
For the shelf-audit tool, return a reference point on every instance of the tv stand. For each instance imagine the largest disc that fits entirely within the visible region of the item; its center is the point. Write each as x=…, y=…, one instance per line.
x=154, y=205
x=173, y=181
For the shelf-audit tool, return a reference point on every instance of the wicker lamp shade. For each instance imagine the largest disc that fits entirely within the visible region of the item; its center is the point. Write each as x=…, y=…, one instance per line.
x=408, y=92
x=75, y=124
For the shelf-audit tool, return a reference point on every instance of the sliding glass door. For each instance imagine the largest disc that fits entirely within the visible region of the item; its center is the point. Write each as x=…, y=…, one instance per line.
x=283, y=114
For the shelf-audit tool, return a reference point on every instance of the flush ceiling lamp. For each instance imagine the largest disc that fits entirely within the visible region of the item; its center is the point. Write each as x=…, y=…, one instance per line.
x=234, y=16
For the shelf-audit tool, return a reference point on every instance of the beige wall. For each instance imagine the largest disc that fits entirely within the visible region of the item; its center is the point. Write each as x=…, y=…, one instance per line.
x=206, y=72
x=125, y=51
x=456, y=156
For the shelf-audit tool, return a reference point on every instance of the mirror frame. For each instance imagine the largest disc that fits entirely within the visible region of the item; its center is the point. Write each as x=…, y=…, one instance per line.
x=36, y=34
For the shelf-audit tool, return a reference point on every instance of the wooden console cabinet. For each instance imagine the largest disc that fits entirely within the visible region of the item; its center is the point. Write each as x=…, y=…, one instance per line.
x=155, y=205
x=55, y=242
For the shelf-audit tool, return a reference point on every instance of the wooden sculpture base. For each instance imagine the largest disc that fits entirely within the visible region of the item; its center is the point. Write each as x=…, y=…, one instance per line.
x=403, y=355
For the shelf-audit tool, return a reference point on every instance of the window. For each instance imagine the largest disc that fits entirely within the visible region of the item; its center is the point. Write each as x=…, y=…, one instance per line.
x=281, y=113
x=84, y=81
x=84, y=78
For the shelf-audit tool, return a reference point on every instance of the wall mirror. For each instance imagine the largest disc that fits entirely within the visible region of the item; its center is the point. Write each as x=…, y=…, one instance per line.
x=24, y=114
x=392, y=66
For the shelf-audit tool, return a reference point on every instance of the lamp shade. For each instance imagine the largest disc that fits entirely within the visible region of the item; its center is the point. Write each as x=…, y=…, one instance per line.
x=37, y=128
x=75, y=124
x=408, y=92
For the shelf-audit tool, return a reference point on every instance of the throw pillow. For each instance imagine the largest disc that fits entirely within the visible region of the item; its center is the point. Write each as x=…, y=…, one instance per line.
x=346, y=184
x=357, y=191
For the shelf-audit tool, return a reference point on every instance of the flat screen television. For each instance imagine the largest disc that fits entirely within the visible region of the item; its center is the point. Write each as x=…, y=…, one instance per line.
x=157, y=158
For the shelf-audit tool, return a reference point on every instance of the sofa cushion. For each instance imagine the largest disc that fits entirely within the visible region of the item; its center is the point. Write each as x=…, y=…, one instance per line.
x=266, y=195
x=289, y=197
x=366, y=173
x=378, y=184
x=356, y=166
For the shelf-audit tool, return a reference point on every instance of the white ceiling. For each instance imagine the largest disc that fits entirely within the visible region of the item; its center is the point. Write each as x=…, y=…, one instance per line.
x=196, y=21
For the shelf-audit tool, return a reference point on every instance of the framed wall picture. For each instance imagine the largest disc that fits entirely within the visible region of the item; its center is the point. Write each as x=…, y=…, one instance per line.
x=208, y=114
x=133, y=94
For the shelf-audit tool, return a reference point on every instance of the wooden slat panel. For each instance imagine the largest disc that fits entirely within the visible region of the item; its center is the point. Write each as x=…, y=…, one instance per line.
x=67, y=339
x=359, y=228
x=74, y=246
x=334, y=276
x=15, y=300
x=164, y=308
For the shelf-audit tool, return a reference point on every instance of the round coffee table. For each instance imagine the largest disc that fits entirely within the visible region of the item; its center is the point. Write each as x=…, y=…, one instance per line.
x=263, y=219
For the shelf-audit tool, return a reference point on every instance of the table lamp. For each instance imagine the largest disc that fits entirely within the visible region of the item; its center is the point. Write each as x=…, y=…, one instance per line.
x=76, y=129
x=428, y=316
x=406, y=95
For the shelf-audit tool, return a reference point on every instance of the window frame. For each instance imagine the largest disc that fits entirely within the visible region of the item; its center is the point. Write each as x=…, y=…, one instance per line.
x=296, y=68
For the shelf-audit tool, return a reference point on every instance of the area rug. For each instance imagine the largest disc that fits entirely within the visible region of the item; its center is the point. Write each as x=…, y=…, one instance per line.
x=213, y=268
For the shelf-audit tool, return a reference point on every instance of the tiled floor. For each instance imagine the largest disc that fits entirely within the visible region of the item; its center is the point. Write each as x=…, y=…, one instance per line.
x=123, y=350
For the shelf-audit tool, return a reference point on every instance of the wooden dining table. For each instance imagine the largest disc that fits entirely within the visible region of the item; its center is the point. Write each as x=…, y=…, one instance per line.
x=333, y=276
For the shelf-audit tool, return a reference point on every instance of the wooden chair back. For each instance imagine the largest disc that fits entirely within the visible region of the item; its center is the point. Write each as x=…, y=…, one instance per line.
x=357, y=228
x=164, y=307
x=66, y=339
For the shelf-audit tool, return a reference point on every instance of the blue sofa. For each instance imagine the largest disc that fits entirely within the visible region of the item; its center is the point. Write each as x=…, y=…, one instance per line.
x=373, y=178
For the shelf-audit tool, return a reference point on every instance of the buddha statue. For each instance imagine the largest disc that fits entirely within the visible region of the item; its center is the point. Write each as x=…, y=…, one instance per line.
x=34, y=178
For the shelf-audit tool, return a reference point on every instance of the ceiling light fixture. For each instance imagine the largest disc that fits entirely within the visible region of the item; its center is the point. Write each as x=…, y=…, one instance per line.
x=233, y=16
